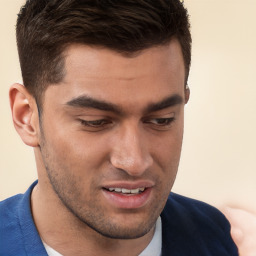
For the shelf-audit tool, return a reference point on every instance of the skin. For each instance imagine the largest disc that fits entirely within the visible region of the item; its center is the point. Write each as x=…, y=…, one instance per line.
x=82, y=147
x=243, y=229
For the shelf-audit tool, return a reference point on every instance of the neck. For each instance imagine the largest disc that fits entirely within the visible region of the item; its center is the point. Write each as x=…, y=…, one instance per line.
x=65, y=233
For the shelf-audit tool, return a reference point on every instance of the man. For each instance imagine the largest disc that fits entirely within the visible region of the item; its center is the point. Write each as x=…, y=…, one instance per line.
x=105, y=84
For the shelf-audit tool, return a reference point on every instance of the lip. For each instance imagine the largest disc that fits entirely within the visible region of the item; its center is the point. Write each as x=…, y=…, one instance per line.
x=128, y=201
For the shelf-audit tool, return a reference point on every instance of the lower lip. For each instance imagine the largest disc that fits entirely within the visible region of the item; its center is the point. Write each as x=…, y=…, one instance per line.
x=120, y=200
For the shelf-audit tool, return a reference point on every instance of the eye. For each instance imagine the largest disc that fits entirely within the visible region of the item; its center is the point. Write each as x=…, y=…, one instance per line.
x=160, y=123
x=95, y=124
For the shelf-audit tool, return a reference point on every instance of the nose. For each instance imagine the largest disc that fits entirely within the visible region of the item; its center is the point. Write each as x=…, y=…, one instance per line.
x=130, y=151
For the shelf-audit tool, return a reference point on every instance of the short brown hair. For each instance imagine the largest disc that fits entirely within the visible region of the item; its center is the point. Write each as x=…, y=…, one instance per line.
x=46, y=27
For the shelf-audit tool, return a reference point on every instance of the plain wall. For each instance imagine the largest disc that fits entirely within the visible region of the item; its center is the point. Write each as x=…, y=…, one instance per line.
x=218, y=163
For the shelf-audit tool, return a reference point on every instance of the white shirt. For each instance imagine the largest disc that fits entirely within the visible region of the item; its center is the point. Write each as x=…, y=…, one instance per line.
x=153, y=249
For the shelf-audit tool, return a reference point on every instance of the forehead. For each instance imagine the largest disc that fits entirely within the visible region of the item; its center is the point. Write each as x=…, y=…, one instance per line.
x=104, y=74
x=106, y=63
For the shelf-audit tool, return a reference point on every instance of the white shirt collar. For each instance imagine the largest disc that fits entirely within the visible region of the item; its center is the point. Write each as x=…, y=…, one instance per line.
x=155, y=246
x=153, y=249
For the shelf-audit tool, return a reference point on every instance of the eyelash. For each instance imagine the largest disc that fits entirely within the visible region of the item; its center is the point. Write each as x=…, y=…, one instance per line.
x=95, y=123
x=161, y=121
x=160, y=124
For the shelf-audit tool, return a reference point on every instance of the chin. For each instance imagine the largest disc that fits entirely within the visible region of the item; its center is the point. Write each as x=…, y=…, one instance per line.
x=124, y=233
x=128, y=227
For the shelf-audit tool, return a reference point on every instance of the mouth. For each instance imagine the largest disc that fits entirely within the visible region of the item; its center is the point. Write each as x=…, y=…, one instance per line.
x=126, y=191
x=128, y=196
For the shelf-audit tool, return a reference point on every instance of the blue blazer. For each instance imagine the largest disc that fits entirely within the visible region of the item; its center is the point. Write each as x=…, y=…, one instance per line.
x=194, y=228
x=189, y=228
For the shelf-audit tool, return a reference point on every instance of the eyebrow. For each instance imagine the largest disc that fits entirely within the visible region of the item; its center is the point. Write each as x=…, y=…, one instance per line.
x=85, y=101
x=167, y=102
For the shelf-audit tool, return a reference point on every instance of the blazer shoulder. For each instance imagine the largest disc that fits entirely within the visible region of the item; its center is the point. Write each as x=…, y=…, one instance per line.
x=198, y=225
x=196, y=209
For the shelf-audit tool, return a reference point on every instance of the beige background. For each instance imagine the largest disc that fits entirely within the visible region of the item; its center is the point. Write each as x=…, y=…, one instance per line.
x=218, y=164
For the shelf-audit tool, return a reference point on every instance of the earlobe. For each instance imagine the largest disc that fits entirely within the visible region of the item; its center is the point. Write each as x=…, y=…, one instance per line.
x=24, y=114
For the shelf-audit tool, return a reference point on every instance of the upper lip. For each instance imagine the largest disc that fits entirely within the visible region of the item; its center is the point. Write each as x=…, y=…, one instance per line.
x=129, y=185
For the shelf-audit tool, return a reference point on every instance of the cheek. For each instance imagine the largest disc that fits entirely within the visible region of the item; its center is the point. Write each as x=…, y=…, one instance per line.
x=79, y=162
x=167, y=150
x=75, y=147
x=70, y=166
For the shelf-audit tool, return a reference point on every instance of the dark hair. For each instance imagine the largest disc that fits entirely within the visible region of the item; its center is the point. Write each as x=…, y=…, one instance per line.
x=46, y=27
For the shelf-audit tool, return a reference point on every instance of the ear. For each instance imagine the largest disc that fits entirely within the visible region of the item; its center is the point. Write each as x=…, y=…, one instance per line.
x=187, y=94
x=24, y=114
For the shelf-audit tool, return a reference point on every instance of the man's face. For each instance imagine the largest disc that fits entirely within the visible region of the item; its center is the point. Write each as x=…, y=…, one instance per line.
x=111, y=136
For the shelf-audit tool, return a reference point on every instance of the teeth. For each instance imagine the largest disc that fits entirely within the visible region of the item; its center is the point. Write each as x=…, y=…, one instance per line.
x=126, y=191
x=135, y=191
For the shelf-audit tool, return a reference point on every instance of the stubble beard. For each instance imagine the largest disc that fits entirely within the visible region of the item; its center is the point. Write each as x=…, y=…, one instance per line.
x=90, y=213
x=94, y=217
